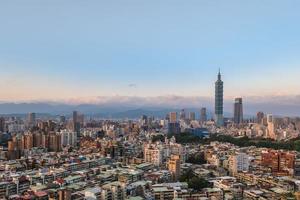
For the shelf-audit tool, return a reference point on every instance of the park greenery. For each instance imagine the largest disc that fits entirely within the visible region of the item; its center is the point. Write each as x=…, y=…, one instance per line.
x=197, y=158
x=157, y=138
x=188, y=138
x=293, y=144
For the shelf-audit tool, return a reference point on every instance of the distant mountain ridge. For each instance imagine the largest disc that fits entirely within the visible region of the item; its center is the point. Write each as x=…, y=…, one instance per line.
x=89, y=109
x=133, y=107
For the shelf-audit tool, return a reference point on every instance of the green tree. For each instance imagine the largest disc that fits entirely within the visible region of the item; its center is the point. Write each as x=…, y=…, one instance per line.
x=156, y=138
x=193, y=181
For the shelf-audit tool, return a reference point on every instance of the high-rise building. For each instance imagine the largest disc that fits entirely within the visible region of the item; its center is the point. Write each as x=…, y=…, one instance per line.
x=80, y=119
x=260, y=117
x=15, y=147
x=219, y=101
x=174, y=166
x=50, y=125
x=31, y=119
x=45, y=141
x=68, y=138
x=271, y=130
x=203, y=116
x=153, y=155
x=239, y=163
x=173, y=128
x=278, y=161
x=54, y=142
x=62, y=119
x=37, y=139
x=269, y=118
x=75, y=116
x=173, y=117
x=182, y=115
x=192, y=116
x=173, y=124
x=144, y=120
x=76, y=123
x=2, y=124
x=28, y=141
x=238, y=111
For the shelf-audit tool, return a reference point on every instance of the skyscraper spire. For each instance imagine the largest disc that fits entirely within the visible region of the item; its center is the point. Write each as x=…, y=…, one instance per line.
x=219, y=101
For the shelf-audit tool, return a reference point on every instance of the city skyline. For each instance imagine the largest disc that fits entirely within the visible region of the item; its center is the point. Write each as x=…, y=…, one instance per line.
x=149, y=100
x=107, y=51
x=127, y=104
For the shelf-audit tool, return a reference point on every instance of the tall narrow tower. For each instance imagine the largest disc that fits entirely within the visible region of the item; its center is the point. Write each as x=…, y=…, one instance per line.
x=219, y=101
x=238, y=111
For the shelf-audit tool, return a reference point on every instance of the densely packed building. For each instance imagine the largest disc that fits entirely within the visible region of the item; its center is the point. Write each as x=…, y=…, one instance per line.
x=138, y=159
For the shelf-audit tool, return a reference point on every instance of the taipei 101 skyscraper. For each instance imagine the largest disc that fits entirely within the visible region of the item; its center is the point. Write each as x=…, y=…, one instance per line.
x=219, y=101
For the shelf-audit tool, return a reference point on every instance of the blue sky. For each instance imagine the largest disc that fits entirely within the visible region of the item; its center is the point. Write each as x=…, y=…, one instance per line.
x=60, y=49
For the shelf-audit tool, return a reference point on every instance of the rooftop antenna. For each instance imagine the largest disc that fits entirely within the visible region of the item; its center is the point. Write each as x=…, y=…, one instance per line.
x=219, y=74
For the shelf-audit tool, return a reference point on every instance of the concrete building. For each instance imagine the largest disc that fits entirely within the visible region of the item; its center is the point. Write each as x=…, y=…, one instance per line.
x=278, y=161
x=260, y=117
x=173, y=117
x=239, y=163
x=182, y=115
x=93, y=193
x=31, y=119
x=54, y=142
x=76, y=123
x=68, y=138
x=113, y=191
x=153, y=155
x=271, y=131
x=2, y=124
x=174, y=128
x=203, y=115
x=192, y=116
x=174, y=166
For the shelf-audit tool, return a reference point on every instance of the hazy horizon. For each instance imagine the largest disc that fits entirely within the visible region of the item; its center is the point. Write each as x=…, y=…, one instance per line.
x=277, y=105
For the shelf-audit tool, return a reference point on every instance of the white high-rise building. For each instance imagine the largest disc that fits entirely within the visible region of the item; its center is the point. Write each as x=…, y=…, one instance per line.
x=239, y=163
x=153, y=155
x=68, y=138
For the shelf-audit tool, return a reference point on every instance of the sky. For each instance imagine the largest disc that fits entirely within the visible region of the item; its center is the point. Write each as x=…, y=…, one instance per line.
x=68, y=49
